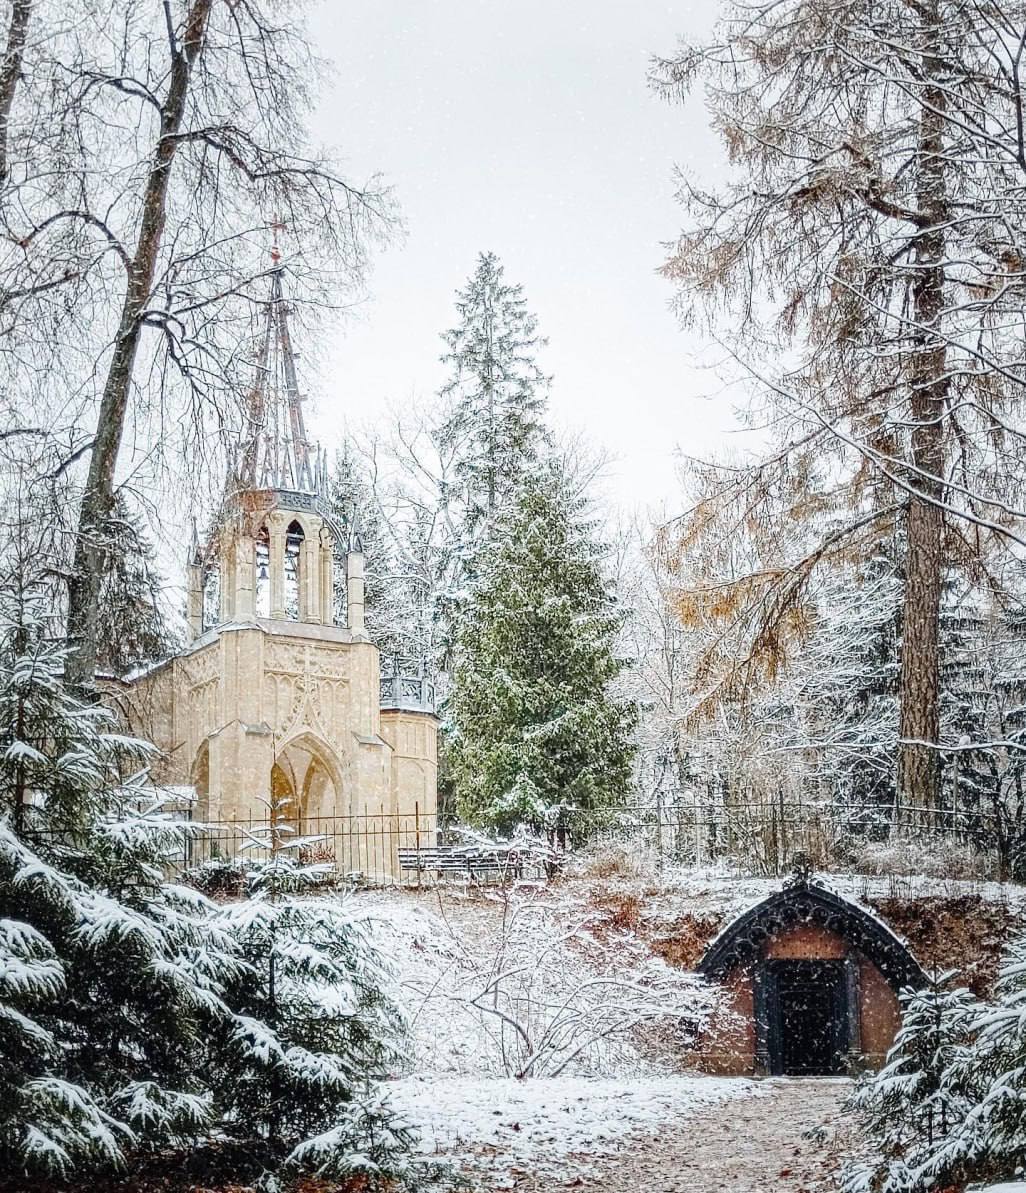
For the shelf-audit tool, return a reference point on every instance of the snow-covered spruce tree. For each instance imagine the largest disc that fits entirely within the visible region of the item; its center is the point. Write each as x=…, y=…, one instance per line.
x=133, y=628
x=949, y=1108
x=535, y=732
x=58, y=757
x=845, y=689
x=495, y=397
x=396, y=605
x=352, y=502
x=990, y=1143
x=130, y=1007
x=107, y=981
x=491, y=431
x=1004, y=829
x=968, y=776
x=919, y=1101
x=313, y=1024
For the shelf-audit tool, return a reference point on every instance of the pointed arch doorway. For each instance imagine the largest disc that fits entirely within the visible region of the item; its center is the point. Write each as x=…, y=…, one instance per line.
x=306, y=784
x=810, y=982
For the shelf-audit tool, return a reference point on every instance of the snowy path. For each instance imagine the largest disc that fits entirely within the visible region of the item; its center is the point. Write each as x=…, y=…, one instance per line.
x=665, y=1136
x=744, y=1147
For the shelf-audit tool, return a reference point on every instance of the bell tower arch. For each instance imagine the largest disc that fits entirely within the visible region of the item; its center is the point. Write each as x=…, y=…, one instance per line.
x=271, y=554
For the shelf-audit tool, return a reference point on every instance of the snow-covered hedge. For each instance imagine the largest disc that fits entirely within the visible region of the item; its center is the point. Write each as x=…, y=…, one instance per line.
x=949, y=1107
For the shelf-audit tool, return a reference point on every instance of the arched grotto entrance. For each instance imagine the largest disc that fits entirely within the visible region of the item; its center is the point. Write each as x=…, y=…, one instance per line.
x=811, y=983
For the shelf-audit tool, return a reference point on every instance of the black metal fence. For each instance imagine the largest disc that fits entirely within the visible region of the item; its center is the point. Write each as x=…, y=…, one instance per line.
x=366, y=846
x=760, y=838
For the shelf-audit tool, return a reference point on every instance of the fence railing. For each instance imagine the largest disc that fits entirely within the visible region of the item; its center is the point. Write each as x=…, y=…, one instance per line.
x=362, y=846
x=764, y=837
x=761, y=838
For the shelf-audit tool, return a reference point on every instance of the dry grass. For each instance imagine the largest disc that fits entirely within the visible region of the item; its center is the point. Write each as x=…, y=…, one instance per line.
x=622, y=910
x=967, y=934
x=611, y=861
x=683, y=942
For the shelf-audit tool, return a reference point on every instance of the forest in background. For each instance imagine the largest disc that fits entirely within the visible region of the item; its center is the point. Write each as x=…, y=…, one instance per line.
x=834, y=623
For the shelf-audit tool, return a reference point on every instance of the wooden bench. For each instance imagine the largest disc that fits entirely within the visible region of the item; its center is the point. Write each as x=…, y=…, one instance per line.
x=458, y=859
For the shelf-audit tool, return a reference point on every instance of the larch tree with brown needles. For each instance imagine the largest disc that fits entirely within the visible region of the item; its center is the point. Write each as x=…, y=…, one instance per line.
x=868, y=252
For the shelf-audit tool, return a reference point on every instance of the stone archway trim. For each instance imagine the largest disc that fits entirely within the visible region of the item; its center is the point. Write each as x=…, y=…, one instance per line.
x=742, y=942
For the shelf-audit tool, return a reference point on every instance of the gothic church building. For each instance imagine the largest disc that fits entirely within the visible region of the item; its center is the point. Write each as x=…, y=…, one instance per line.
x=273, y=704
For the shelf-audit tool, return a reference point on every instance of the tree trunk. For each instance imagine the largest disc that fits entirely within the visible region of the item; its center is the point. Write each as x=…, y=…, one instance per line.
x=10, y=73
x=98, y=497
x=919, y=764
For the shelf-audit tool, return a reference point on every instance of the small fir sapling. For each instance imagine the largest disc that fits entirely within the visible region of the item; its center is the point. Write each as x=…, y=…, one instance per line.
x=917, y=1104
x=991, y=1141
x=949, y=1108
x=314, y=1025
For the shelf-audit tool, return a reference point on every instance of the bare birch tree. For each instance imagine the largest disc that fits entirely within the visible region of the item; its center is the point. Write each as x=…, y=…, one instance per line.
x=156, y=144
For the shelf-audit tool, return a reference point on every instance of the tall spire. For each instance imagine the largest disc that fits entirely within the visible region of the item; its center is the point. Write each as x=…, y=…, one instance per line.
x=275, y=452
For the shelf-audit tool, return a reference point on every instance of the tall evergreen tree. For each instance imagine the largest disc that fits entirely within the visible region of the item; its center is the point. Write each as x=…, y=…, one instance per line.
x=535, y=732
x=495, y=396
x=352, y=502
x=849, y=702
x=1003, y=825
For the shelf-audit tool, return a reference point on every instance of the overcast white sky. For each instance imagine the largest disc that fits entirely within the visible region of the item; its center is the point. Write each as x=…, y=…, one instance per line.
x=527, y=129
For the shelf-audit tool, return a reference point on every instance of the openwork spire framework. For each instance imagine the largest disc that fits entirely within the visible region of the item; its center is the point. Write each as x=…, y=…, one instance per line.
x=275, y=452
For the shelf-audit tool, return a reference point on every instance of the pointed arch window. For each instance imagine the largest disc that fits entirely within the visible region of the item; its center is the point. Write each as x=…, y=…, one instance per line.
x=293, y=570
x=211, y=598
x=262, y=574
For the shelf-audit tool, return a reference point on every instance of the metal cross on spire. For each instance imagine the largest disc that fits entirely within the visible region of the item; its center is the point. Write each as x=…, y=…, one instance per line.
x=276, y=453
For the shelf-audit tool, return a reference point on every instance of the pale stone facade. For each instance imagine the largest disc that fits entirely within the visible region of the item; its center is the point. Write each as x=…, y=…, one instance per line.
x=272, y=703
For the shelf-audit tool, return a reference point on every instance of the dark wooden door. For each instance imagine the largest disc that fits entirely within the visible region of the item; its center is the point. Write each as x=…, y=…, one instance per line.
x=809, y=1017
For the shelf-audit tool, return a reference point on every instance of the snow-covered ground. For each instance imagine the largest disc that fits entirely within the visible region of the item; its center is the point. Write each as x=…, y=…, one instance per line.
x=497, y=1122
x=460, y=961
x=552, y=943
x=716, y=890
x=444, y=941
x=587, y=1127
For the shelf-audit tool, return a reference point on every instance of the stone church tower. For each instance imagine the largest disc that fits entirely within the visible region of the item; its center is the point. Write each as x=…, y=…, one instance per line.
x=272, y=701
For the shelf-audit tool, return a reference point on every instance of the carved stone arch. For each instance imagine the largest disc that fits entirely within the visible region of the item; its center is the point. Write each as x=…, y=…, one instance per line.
x=743, y=941
x=262, y=568
x=309, y=524
x=309, y=773
x=199, y=778
x=295, y=578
